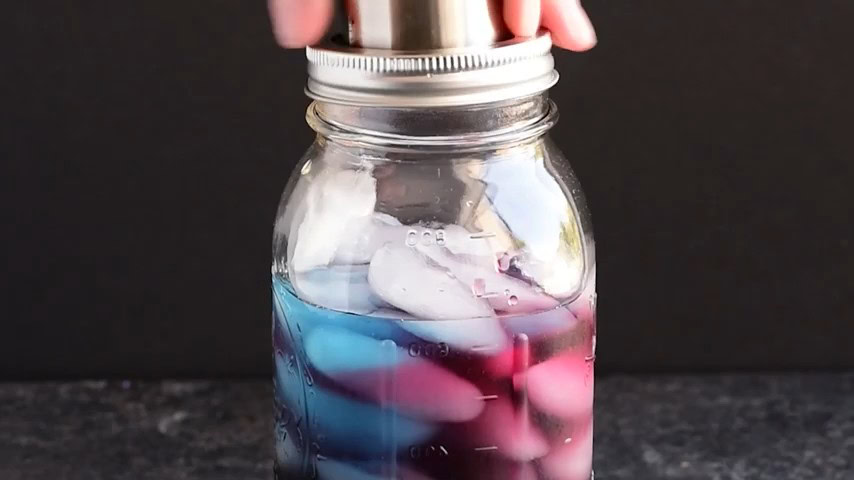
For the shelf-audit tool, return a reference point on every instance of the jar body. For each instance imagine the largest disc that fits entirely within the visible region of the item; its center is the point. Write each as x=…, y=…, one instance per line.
x=434, y=307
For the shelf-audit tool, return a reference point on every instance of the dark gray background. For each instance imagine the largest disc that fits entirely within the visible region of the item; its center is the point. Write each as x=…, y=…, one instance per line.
x=145, y=145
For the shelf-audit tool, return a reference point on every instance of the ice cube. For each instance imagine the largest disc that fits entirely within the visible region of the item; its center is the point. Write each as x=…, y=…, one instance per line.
x=351, y=427
x=365, y=235
x=500, y=364
x=337, y=351
x=388, y=375
x=411, y=282
x=480, y=336
x=339, y=287
x=386, y=219
x=504, y=294
x=509, y=431
x=301, y=316
x=562, y=386
x=574, y=459
x=334, y=200
x=408, y=280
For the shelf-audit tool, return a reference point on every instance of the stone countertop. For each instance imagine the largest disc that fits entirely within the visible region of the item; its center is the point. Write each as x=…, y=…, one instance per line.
x=751, y=427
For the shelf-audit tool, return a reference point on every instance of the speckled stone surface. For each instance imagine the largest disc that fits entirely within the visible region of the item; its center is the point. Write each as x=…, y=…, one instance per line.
x=751, y=427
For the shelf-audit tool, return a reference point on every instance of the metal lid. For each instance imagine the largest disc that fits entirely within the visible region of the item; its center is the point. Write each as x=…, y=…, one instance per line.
x=419, y=53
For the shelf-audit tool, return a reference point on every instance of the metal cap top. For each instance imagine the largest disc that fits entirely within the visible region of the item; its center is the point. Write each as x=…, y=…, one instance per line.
x=420, y=53
x=425, y=24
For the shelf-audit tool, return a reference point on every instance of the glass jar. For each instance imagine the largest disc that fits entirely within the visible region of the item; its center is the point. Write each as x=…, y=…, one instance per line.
x=434, y=306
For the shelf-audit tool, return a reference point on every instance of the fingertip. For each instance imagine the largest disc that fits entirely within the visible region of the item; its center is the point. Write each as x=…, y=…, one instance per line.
x=522, y=17
x=582, y=33
x=569, y=25
x=298, y=23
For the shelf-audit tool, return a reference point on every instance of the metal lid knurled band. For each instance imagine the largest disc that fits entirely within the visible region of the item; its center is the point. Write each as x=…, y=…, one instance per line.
x=375, y=77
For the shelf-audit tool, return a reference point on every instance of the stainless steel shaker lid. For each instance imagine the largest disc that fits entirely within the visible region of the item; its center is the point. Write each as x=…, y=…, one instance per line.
x=420, y=53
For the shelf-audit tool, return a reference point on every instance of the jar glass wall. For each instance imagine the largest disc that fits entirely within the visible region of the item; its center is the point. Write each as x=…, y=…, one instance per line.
x=433, y=280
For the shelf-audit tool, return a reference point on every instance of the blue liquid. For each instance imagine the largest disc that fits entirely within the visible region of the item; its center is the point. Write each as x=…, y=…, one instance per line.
x=313, y=412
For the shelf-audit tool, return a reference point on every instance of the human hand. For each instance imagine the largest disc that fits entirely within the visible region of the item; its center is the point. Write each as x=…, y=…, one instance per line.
x=298, y=23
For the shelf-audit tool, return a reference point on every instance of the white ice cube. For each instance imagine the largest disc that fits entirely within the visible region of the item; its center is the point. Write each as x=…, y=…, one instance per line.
x=479, y=272
x=450, y=312
x=365, y=235
x=405, y=278
x=344, y=288
x=334, y=200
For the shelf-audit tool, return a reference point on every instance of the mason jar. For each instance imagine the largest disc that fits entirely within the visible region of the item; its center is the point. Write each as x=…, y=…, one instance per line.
x=433, y=277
